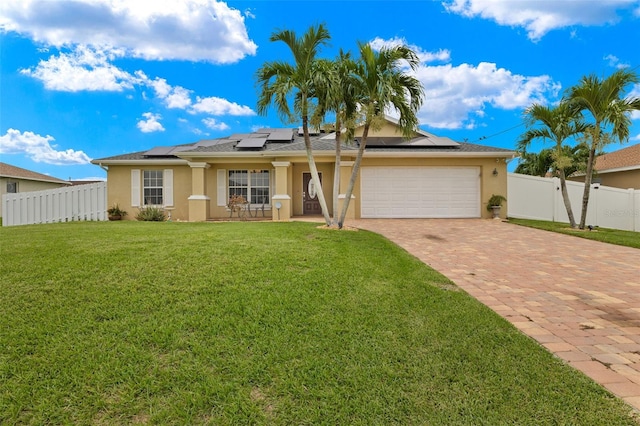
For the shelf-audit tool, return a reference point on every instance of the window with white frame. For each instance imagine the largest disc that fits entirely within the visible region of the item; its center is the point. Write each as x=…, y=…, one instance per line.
x=253, y=185
x=152, y=187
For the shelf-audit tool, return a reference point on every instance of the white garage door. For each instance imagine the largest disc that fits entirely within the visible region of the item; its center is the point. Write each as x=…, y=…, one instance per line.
x=420, y=192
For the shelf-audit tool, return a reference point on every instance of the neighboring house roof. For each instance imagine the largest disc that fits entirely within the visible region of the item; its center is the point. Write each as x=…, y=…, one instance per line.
x=9, y=171
x=286, y=142
x=623, y=159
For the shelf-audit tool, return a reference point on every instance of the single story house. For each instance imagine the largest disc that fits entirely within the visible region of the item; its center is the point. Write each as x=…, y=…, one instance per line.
x=14, y=180
x=424, y=177
x=619, y=169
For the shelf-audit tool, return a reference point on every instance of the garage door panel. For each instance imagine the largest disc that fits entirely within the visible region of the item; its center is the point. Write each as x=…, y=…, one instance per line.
x=420, y=192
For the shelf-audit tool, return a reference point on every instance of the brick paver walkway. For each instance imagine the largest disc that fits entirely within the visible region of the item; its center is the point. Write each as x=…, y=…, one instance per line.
x=578, y=298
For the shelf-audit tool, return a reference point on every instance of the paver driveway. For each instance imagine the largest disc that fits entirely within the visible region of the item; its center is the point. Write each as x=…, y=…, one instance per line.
x=579, y=298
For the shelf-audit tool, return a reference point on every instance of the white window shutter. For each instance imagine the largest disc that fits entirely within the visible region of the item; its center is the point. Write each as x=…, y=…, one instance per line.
x=167, y=179
x=135, y=188
x=222, y=187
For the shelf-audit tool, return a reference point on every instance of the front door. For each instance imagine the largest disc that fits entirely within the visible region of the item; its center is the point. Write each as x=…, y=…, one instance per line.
x=310, y=203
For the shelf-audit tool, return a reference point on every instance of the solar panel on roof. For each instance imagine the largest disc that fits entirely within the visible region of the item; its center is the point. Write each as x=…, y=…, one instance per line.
x=211, y=142
x=435, y=141
x=182, y=148
x=240, y=136
x=252, y=143
x=280, y=136
x=272, y=129
x=159, y=150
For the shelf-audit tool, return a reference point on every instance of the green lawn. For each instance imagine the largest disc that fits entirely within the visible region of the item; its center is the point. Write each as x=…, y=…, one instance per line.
x=261, y=323
x=612, y=236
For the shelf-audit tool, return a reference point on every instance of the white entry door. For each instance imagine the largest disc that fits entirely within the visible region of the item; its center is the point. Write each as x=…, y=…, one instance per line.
x=420, y=192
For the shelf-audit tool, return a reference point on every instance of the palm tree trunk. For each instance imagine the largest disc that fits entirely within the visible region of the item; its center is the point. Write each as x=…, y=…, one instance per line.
x=336, y=172
x=354, y=175
x=314, y=170
x=587, y=184
x=565, y=198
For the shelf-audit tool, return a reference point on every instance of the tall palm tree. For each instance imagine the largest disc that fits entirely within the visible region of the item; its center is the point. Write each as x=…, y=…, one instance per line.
x=556, y=124
x=338, y=96
x=381, y=83
x=609, y=115
x=280, y=81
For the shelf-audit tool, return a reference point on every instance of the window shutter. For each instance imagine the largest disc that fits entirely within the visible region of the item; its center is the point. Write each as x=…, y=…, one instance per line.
x=222, y=187
x=272, y=184
x=135, y=188
x=167, y=179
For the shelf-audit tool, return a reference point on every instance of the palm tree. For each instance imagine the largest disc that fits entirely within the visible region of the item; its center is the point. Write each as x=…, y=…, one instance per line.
x=534, y=164
x=556, y=124
x=609, y=112
x=338, y=97
x=380, y=83
x=280, y=80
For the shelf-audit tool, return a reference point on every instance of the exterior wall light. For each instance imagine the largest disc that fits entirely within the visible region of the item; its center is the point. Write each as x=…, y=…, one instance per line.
x=495, y=172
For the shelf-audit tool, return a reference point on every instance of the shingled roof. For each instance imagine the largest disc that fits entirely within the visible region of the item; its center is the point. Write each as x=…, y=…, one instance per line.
x=9, y=171
x=320, y=142
x=622, y=159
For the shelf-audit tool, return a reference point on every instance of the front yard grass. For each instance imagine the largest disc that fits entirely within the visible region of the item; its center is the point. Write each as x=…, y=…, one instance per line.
x=261, y=323
x=606, y=235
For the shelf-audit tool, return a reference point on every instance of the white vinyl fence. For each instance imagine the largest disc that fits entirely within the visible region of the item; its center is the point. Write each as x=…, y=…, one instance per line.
x=73, y=203
x=531, y=197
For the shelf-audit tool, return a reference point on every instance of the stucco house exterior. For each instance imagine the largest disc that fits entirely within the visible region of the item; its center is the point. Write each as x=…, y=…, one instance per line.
x=619, y=169
x=424, y=177
x=16, y=179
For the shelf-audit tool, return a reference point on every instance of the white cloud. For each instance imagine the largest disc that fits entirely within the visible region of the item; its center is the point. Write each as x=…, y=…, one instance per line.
x=635, y=93
x=194, y=30
x=173, y=96
x=151, y=124
x=179, y=98
x=455, y=95
x=540, y=17
x=39, y=148
x=89, y=69
x=218, y=106
x=85, y=68
x=441, y=55
x=211, y=123
x=615, y=62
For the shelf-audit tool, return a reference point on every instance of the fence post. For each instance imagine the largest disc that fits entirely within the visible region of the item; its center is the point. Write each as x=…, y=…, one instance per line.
x=631, y=209
x=556, y=193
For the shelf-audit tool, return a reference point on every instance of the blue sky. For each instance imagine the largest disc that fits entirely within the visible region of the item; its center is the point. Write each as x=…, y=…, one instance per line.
x=89, y=79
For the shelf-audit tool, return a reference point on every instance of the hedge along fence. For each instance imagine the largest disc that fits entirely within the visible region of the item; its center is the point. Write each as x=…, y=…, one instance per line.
x=532, y=197
x=74, y=203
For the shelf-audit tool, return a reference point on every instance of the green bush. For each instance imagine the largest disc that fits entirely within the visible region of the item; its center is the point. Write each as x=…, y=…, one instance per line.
x=151, y=214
